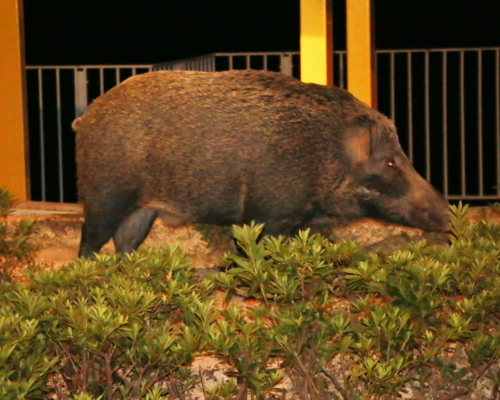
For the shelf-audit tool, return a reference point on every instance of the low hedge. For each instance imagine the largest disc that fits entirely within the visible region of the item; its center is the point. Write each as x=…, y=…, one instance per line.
x=328, y=321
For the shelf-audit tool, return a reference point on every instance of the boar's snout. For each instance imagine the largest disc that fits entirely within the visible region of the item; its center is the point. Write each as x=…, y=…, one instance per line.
x=434, y=218
x=430, y=209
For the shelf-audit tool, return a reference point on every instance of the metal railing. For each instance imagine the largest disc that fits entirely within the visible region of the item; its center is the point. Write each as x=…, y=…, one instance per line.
x=446, y=105
x=56, y=95
x=445, y=102
x=288, y=63
x=200, y=63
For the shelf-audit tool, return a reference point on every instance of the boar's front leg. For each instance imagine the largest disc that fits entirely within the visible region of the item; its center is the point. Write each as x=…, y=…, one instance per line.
x=105, y=211
x=96, y=231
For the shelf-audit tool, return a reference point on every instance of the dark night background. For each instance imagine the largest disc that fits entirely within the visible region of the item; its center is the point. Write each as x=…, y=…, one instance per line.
x=150, y=31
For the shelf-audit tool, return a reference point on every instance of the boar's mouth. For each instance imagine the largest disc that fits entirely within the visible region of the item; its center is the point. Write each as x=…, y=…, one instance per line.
x=426, y=208
x=426, y=218
x=430, y=220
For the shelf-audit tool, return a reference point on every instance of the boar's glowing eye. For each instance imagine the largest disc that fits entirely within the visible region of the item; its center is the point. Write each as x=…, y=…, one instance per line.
x=391, y=163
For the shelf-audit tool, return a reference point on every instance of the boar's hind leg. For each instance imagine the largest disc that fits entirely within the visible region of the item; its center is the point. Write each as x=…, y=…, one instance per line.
x=103, y=218
x=133, y=230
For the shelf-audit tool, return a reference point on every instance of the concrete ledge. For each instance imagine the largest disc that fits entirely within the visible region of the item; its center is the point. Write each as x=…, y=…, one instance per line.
x=44, y=207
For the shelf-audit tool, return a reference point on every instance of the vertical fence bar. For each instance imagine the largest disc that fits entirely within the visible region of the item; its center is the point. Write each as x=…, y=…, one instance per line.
x=101, y=80
x=341, y=71
x=427, y=121
x=497, y=95
x=462, y=125
x=445, y=123
x=230, y=62
x=117, y=75
x=248, y=62
x=265, y=62
x=42, y=135
x=480, y=120
x=286, y=65
x=392, y=87
x=410, y=108
x=81, y=95
x=59, y=136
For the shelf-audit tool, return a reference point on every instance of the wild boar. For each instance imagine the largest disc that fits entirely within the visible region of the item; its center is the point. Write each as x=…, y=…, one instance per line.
x=236, y=146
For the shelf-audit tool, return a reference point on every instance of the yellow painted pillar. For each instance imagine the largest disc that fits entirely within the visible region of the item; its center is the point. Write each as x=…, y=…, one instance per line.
x=316, y=41
x=361, y=61
x=13, y=127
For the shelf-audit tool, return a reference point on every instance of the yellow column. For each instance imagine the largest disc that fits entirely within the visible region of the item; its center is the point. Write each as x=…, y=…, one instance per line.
x=13, y=153
x=316, y=41
x=361, y=62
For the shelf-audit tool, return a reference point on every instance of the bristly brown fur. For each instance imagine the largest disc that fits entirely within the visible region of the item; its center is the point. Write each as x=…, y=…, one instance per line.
x=234, y=146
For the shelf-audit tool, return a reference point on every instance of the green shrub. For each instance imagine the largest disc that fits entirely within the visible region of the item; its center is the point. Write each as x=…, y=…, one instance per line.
x=121, y=328
x=351, y=325
x=330, y=321
x=14, y=244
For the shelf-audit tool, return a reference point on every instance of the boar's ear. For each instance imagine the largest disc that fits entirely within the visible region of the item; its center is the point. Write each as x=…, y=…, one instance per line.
x=359, y=137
